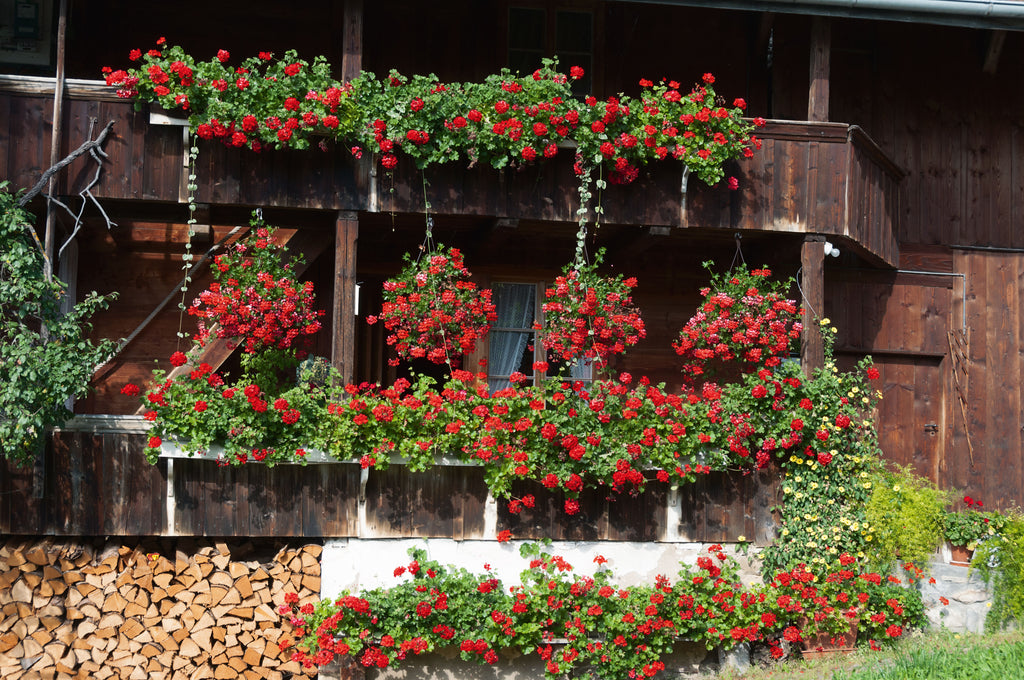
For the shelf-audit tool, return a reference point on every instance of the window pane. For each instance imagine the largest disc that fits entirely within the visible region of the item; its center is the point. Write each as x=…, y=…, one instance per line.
x=573, y=32
x=524, y=62
x=512, y=335
x=526, y=29
x=574, y=40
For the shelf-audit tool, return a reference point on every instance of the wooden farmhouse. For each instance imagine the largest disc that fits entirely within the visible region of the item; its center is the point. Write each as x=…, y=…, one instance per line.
x=894, y=142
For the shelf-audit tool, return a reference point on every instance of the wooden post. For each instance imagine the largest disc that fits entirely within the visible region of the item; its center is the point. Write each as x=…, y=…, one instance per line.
x=821, y=48
x=343, y=330
x=812, y=283
x=352, y=34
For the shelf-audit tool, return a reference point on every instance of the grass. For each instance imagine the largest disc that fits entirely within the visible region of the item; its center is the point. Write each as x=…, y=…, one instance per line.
x=926, y=656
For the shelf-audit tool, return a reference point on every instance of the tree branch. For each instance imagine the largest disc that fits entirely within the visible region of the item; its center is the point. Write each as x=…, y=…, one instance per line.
x=86, y=147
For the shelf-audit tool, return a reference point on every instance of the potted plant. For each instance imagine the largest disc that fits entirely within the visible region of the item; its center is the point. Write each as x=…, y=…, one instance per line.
x=745, y=318
x=906, y=512
x=590, y=316
x=964, y=529
x=257, y=304
x=831, y=607
x=433, y=311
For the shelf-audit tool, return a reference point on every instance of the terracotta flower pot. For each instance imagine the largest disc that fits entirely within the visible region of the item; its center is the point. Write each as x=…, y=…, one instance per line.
x=825, y=644
x=960, y=555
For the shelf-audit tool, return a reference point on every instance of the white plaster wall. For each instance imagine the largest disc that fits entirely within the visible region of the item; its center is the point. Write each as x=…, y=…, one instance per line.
x=359, y=563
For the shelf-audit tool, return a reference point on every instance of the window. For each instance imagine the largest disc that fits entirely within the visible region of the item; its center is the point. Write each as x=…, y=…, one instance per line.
x=538, y=32
x=512, y=342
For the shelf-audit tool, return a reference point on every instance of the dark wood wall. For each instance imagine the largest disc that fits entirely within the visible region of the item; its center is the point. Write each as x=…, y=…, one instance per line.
x=923, y=94
x=919, y=91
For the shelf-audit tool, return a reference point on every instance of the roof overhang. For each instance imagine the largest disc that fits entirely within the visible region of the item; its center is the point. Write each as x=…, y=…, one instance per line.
x=988, y=14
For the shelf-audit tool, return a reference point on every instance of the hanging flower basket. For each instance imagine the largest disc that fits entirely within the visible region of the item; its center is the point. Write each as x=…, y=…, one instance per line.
x=433, y=311
x=745, y=317
x=590, y=316
x=256, y=301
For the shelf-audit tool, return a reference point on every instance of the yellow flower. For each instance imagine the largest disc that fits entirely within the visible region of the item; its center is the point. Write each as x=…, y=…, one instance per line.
x=785, y=532
x=896, y=488
x=868, y=538
x=741, y=538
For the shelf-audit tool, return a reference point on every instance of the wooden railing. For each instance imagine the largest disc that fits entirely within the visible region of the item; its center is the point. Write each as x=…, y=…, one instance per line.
x=820, y=178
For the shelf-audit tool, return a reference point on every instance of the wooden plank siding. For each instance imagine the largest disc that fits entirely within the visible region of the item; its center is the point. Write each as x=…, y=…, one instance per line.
x=101, y=484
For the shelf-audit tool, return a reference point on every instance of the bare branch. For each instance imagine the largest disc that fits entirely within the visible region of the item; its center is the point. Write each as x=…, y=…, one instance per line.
x=86, y=147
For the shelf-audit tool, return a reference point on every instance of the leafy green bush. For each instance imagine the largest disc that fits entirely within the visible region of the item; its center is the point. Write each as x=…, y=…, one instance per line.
x=906, y=512
x=1000, y=562
x=46, y=356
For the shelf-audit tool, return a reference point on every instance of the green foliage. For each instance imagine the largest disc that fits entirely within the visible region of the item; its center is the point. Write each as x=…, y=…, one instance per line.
x=1000, y=562
x=46, y=356
x=906, y=512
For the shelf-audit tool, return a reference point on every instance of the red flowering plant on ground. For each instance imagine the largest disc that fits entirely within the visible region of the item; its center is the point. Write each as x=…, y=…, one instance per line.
x=589, y=316
x=745, y=318
x=433, y=311
x=575, y=623
x=825, y=605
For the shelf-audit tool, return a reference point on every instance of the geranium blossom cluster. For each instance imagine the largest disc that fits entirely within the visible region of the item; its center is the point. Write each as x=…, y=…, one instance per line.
x=589, y=315
x=574, y=622
x=256, y=299
x=826, y=606
x=261, y=101
x=433, y=311
x=202, y=411
x=508, y=118
x=746, y=318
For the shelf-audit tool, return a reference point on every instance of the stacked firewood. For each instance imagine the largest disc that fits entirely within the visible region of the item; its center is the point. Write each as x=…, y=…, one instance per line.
x=75, y=610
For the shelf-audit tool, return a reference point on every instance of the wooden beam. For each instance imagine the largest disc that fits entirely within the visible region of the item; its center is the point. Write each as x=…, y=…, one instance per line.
x=764, y=33
x=996, y=39
x=821, y=49
x=812, y=285
x=352, y=35
x=343, y=331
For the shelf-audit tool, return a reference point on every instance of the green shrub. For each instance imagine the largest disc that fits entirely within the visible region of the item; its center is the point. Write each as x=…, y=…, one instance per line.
x=906, y=512
x=1000, y=562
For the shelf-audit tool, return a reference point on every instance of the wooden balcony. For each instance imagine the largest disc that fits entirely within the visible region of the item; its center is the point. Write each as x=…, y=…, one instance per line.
x=815, y=178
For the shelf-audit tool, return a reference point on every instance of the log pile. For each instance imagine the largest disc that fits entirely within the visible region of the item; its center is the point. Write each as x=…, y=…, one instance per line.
x=76, y=610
